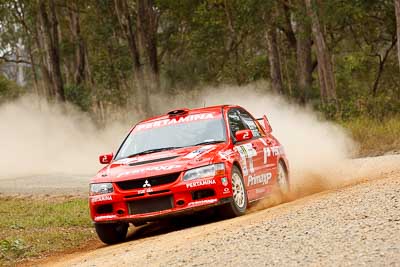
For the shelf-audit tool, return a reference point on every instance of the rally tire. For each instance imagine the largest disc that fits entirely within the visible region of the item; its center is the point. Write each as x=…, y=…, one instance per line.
x=282, y=178
x=238, y=205
x=111, y=233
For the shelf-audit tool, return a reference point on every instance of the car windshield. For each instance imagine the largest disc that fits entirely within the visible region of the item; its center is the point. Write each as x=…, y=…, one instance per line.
x=172, y=136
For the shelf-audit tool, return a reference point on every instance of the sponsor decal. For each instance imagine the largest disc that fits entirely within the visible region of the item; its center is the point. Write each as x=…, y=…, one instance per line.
x=246, y=152
x=273, y=151
x=203, y=202
x=224, y=181
x=243, y=162
x=155, y=168
x=100, y=198
x=226, y=190
x=226, y=154
x=199, y=151
x=251, y=165
x=277, y=150
x=161, y=123
x=200, y=183
x=147, y=190
x=267, y=153
x=259, y=179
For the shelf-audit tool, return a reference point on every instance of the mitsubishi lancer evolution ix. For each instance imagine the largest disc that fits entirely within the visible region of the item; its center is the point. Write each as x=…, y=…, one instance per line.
x=183, y=162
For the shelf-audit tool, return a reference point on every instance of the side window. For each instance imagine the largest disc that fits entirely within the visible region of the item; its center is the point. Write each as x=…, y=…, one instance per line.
x=235, y=122
x=250, y=123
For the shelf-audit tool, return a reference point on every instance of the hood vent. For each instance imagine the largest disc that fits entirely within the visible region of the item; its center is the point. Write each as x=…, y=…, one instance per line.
x=151, y=161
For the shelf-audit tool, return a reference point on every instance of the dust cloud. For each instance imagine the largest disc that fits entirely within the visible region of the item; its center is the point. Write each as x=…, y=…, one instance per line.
x=38, y=138
x=317, y=149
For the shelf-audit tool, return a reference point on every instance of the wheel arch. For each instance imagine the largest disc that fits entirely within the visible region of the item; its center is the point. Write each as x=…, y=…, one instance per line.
x=284, y=165
x=236, y=164
x=286, y=168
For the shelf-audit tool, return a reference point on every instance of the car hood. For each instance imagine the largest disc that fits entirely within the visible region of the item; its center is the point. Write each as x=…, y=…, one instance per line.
x=160, y=163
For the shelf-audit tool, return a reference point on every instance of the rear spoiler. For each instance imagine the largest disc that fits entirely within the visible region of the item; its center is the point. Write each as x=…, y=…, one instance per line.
x=265, y=124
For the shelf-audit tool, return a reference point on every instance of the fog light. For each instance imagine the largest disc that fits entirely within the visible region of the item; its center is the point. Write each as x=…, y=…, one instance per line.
x=120, y=212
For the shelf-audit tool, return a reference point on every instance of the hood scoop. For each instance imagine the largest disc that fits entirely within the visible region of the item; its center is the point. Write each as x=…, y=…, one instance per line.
x=151, y=161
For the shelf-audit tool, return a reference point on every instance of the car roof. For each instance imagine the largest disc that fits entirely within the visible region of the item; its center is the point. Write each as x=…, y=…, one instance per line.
x=211, y=109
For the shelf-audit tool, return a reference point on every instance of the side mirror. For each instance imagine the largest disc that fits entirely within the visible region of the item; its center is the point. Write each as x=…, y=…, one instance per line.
x=267, y=126
x=106, y=158
x=243, y=135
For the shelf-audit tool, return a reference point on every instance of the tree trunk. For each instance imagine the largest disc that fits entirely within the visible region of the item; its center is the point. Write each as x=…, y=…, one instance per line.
x=50, y=30
x=34, y=72
x=80, y=50
x=231, y=45
x=303, y=59
x=274, y=60
x=397, y=8
x=148, y=24
x=43, y=63
x=325, y=68
x=382, y=61
x=125, y=21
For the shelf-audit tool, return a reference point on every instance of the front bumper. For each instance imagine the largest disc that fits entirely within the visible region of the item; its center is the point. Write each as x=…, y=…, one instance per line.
x=153, y=203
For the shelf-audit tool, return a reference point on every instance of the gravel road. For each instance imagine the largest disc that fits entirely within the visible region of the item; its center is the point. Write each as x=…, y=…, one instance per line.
x=49, y=184
x=355, y=225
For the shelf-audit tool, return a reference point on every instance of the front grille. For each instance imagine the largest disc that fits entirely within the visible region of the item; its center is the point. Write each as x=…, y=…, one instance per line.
x=153, y=181
x=150, y=205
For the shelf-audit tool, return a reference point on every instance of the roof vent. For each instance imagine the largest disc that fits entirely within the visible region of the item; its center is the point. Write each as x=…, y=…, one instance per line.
x=178, y=112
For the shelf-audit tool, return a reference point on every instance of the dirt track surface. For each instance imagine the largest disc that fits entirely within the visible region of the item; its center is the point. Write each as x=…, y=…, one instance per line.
x=355, y=225
x=49, y=184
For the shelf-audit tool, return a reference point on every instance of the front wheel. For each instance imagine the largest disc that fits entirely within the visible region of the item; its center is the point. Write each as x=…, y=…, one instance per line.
x=111, y=233
x=238, y=205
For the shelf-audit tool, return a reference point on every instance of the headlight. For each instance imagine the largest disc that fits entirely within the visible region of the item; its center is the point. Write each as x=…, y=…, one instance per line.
x=102, y=188
x=206, y=171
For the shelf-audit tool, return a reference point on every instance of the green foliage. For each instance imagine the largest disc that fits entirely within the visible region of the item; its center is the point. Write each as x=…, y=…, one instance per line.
x=209, y=42
x=375, y=136
x=78, y=95
x=8, y=89
x=10, y=249
x=378, y=108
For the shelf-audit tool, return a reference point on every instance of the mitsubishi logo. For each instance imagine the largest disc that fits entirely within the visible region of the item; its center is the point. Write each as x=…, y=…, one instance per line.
x=146, y=184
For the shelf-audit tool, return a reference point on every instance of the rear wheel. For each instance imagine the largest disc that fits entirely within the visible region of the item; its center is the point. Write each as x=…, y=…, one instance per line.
x=238, y=205
x=282, y=179
x=112, y=233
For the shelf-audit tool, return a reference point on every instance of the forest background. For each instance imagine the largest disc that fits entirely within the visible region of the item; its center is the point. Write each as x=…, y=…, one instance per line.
x=341, y=57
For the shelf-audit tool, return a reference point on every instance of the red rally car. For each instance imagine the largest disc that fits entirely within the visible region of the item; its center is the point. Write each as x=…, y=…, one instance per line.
x=185, y=161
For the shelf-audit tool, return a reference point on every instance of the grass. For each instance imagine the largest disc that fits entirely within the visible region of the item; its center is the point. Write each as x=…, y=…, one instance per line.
x=375, y=137
x=30, y=227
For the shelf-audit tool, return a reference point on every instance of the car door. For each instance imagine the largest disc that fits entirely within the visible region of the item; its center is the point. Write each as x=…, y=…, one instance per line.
x=251, y=152
x=272, y=149
x=263, y=180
